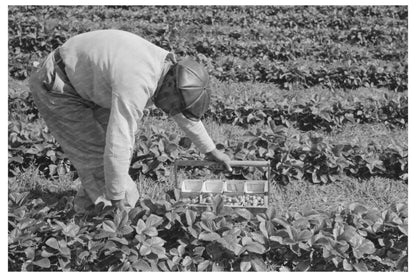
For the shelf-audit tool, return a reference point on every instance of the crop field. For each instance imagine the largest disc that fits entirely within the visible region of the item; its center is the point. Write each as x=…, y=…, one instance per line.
x=321, y=92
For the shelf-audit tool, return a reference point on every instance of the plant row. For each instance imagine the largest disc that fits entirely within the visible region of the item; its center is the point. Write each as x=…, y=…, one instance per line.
x=314, y=114
x=310, y=158
x=307, y=158
x=292, y=158
x=307, y=116
x=165, y=235
x=268, y=53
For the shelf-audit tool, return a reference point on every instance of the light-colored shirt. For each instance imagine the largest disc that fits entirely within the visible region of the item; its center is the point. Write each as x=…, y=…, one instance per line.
x=120, y=71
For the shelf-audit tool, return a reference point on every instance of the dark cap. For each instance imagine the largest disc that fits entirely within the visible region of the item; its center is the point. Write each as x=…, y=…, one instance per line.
x=192, y=81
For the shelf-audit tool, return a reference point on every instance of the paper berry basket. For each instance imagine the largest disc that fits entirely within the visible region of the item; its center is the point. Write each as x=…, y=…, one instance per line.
x=256, y=193
x=210, y=189
x=191, y=189
x=234, y=193
x=251, y=194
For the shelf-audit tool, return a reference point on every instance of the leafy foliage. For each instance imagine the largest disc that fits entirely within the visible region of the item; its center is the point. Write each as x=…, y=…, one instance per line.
x=335, y=47
x=165, y=235
x=300, y=157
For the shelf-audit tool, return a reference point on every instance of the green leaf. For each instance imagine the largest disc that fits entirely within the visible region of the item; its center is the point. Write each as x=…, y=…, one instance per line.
x=63, y=264
x=206, y=236
x=244, y=213
x=192, y=231
x=154, y=220
x=71, y=230
x=245, y=240
x=217, y=267
x=281, y=221
x=263, y=229
x=149, y=205
x=83, y=255
x=109, y=226
x=258, y=265
x=255, y=247
x=218, y=204
x=366, y=247
x=203, y=265
x=403, y=228
x=150, y=231
x=199, y=250
x=46, y=254
x=145, y=250
x=63, y=249
x=346, y=265
x=181, y=250
x=245, y=264
x=122, y=241
x=187, y=261
x=258, y=237
x=125, y=230
x=358, y=208
x=304, y=235
x=53, y=243
x=162, y=265
x=190, y=217
x=271, y=212
x=230, y=242
x=43, y=263
x=120, y=218
x=360, y=266
x=140, y=227
x=30, y=253
x=142, y=265
x=303, y=266
x=301, y=223
x=156, y=241
x=158, y=250
x=350, y=235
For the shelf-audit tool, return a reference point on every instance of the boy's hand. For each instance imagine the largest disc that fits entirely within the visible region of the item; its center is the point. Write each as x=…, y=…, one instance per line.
x=219, y=156
x=119, y=205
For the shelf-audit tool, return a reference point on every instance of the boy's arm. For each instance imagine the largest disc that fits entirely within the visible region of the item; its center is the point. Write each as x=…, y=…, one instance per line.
x=196, y=131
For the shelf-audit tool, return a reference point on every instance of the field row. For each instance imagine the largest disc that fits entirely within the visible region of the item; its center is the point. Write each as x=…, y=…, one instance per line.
x=315, y=111
x=291, y=53
x=294, y=156
x=166, y=236
x=314, y=114
x=301, y=157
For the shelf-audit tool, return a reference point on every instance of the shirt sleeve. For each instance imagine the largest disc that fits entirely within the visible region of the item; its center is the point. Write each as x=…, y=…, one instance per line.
x=196, y=131
x=120, y=137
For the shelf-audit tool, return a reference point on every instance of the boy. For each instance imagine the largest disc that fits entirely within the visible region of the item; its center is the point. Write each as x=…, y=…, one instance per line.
x=92, y=91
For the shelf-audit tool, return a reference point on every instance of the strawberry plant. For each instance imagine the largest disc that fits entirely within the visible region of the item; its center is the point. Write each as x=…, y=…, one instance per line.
x=165, y=235
x=34, y=31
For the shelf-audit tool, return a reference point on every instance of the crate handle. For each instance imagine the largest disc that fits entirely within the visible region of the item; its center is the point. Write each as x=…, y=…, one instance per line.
x=212, y=163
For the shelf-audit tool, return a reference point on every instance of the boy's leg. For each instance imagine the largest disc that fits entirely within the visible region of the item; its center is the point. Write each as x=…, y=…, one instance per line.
x=71, y=121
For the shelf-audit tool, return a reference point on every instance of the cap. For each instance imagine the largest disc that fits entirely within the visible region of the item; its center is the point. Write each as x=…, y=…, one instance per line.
x=192, y=82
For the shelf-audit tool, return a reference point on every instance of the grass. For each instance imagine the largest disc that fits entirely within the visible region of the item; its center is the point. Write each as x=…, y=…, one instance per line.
x=49, y=190
x=251, y=92
x=354, y=133
x=375, y=192
x=365, y=134
x=298, y=196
